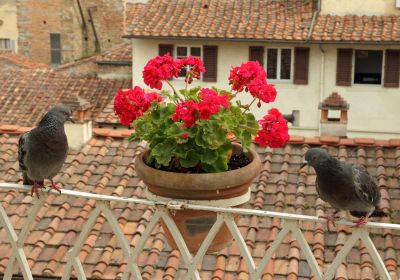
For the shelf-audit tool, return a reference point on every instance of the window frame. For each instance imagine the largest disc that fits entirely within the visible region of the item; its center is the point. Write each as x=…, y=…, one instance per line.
x=278, y=70
x=188, y=49
x=354, y=68
x=53, y=49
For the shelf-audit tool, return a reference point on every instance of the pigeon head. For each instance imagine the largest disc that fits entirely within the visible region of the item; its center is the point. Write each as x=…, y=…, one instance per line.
x=59, y=114
x=315, y=156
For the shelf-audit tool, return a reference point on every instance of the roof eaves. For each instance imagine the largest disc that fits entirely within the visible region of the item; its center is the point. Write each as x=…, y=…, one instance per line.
x=114, y=62
x=310, y=41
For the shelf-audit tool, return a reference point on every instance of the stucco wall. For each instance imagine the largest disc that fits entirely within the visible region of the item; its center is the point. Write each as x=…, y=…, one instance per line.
x=359, y=7
x=8, y=20
x=38, y=18
x=373, y=109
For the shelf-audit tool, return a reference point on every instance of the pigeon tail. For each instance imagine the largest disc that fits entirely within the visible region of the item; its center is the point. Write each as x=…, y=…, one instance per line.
x=376, y=213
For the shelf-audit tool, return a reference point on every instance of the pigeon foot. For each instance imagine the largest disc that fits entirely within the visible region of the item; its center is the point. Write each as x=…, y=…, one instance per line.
x=330, y=219
x=361, y=222
x=35, y=189
x=55, y=187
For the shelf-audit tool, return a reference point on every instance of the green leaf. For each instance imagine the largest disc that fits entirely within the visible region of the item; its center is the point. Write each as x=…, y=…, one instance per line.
x=192, y=159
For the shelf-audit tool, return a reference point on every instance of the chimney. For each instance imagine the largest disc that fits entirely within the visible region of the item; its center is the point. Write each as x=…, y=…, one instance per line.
x=334, y=116
x=80, y=132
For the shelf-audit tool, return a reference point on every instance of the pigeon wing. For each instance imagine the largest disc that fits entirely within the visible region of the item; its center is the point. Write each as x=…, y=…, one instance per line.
x=22, y=143
x=364, y=185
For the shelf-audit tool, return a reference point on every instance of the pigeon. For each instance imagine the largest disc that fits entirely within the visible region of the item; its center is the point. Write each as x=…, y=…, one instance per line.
x=345, y=186
x=42, y=150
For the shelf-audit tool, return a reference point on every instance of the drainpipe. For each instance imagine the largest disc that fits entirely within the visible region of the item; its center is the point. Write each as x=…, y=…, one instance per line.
x=322, y=81
x=81, y=13
x=97, y=43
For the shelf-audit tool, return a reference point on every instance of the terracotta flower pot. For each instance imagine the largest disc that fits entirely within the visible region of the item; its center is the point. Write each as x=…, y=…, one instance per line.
x=226, y=189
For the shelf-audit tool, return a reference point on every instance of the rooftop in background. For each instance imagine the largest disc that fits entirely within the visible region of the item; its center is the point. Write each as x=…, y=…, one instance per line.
x=242, y=20
x=28, y=93
x=8, y=59
x=121, y=55
x=105, y=165
x=220, y=19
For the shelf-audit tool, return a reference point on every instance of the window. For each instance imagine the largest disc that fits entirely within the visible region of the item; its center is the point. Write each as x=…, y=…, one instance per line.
x=7, y=44
x=185, y=51
x=368, y=67
x=55, y=48
x=279, y=64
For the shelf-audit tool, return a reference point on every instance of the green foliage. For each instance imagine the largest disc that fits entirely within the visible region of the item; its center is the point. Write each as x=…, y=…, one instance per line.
x=207, y=143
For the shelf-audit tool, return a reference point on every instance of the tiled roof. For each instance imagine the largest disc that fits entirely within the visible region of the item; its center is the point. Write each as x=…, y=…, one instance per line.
x=221, y=19
x=121, y=54
x=27, y=94
x=356, y=28
x=8, y=59
x=105, y=165
x=107, y=115
x=334, y=100
x=256, y=20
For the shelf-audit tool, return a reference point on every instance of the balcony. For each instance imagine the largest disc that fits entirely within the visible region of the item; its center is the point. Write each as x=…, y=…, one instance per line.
x=102, y=227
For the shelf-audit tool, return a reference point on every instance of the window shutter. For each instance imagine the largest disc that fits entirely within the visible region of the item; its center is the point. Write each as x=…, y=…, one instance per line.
x=392, y=63
x=301, y=61
x=344, y=67
x=210, y=59
x=257, y=54
x=163, y=49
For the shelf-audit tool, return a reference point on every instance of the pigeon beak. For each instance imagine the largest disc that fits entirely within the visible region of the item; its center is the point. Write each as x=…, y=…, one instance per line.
x=71, y=119
x=303, y=164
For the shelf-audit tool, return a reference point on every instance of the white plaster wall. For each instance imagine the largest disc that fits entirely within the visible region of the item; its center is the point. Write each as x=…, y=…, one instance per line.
x=359, y=7
x=78, y=134
x=8, y=18
x=374, y=110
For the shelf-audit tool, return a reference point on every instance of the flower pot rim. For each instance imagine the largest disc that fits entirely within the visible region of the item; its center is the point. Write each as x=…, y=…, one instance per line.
x=198, y=181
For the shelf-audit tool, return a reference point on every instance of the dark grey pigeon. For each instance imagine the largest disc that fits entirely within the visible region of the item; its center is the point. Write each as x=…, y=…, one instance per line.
x=42, y=151
x=344, y=186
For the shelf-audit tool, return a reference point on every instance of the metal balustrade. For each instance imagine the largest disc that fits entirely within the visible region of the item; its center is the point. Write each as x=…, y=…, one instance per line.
x=162, y=212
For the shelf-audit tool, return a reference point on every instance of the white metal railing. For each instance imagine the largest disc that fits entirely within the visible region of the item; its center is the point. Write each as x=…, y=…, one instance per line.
x=162, y=212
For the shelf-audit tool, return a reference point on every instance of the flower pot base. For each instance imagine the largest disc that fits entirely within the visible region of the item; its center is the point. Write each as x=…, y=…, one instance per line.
x=194, y=225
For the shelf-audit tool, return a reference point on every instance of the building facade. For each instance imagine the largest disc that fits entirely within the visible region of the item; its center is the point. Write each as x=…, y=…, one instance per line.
x=308, y=49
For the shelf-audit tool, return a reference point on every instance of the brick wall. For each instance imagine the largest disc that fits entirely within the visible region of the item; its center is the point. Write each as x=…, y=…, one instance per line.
x=38, y=18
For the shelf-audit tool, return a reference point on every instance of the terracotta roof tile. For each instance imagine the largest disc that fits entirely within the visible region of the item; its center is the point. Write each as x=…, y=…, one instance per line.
x=219, y=19
x=98, y=167
x=356, y=28
x=117, y=55
x=8, y=59
x=27, y=94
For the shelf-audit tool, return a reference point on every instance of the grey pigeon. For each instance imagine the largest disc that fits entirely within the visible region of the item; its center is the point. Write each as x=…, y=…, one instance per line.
x=344, y=186
x=42, y=150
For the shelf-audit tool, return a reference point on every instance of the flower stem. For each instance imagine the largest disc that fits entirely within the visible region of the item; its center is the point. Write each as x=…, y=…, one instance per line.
x=173, y=89
x=248, y=107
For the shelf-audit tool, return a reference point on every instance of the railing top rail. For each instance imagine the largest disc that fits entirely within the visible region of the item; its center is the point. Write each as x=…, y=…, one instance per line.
x=181, y=204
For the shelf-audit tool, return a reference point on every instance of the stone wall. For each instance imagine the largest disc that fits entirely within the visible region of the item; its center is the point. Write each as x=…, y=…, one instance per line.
x=38, y=18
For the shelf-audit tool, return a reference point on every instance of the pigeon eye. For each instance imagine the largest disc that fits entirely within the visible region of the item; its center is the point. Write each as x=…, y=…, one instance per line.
x=314, y=157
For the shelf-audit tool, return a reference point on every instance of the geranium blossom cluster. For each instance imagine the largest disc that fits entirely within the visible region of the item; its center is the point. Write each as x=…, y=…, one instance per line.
x=274, y=130
x=165, y=67
x=251, y=77
x=131, y=104
x=190, y=111
x=189, y=107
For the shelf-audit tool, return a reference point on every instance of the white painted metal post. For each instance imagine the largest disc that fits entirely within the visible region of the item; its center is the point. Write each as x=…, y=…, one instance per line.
x=22, y=235
x=19, y=252
x=73, y=259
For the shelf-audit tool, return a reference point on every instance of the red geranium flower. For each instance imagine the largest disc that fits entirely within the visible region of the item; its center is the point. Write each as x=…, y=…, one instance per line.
x=160, y=68
x=262, y=90
x=131, y=104
x=196, y=67
x=186, y=111
x=274, y=130
x=241, y=75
